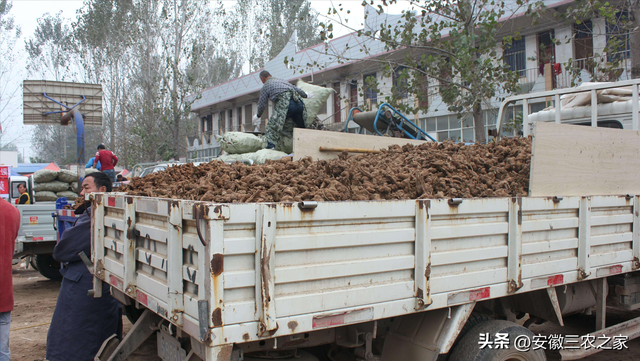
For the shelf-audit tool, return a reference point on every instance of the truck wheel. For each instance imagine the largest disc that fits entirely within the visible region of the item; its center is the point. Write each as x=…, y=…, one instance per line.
x=48, y=267
x=468, y=349
x=32, y=262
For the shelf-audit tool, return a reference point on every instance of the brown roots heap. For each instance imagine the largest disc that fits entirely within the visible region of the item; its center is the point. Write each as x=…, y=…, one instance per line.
x=430, y=170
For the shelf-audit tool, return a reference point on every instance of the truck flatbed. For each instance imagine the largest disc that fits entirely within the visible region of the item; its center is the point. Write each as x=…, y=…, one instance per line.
x=277, y=269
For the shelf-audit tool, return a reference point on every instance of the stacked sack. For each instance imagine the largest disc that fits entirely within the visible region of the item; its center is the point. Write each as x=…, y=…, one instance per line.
x=49, y=185
x=240, y=146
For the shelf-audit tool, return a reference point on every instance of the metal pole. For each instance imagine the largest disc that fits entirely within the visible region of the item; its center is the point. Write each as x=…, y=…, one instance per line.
x=77, y=116
x=634, y=106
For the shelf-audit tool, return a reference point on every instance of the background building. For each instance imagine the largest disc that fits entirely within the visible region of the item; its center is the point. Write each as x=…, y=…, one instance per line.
x=550, y=55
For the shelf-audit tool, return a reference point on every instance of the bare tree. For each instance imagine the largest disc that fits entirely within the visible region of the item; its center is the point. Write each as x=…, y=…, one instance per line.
x=9, y=35
x=49, y=48
x=103, y=35
x=287, y=16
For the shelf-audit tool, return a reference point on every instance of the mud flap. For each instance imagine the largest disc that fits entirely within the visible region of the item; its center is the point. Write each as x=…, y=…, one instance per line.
x=423, y=336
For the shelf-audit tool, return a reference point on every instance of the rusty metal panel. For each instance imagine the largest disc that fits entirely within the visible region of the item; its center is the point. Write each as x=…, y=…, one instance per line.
x=97, y=246
x=217, y=263
x=195, y=277
x=114, y=236
x=422, y=269
x=549, y=236
x=247, y=261
x=129, y=249
x=611, y=233
x=469, y=243
x=174, y=263
x=584, y=238
x=343, y=254
x=636, y=232
x=514, y=272
x=266, y=266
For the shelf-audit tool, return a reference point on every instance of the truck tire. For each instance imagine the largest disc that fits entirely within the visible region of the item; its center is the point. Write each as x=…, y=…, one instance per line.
x=48, y=267
x=32, y=262
x=473, y=320
x=468, y=349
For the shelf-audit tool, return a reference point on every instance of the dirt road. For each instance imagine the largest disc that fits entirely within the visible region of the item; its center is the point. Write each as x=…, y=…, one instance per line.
x=35, y=300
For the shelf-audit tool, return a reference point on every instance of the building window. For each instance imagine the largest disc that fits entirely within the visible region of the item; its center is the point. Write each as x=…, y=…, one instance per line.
x=451, y=127
x=353, y=94
x=515, y=56
x=369, y=89
x=583, y=41
x=446, y=75
x=618, y=38
x=546, y=49
x=401, y=81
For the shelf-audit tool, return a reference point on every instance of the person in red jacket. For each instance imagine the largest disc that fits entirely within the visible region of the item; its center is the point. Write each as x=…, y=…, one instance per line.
x=107, y=160
x=9, y=227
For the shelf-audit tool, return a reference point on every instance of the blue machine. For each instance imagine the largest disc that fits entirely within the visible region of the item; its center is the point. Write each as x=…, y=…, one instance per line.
x=79, y=124
x=63, y=218
x=386, y=121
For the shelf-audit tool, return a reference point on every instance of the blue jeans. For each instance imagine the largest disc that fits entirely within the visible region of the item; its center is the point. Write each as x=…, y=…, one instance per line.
x=5, y=324
x=111, y=173
x=295, y=113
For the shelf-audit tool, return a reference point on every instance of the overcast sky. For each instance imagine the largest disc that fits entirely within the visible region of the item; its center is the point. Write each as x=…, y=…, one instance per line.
x=26, y=13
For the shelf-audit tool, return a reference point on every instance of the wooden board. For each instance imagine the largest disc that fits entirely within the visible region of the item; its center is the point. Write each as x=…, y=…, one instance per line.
x=36, y=105
x=307, y=142
x=573, y=160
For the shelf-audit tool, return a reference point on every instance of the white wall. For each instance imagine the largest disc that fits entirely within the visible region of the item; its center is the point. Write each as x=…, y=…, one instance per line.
x=531, y=50
x=564, y=51
x=9, y=157
x=599, y=36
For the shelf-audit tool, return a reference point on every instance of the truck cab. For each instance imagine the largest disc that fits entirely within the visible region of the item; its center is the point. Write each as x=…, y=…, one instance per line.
x=606, y=105
x=37, y=235
x=14, y=194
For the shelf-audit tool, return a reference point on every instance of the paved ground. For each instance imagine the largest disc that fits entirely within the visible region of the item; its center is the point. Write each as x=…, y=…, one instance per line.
x=35, y=300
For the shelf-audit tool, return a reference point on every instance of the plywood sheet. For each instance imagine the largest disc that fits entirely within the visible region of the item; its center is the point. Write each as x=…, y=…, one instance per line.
x=572, y=160
x=36, y=105
x=306, y=142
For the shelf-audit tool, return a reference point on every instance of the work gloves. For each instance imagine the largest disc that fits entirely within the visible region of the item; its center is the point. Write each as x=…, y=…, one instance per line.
x=256, y=123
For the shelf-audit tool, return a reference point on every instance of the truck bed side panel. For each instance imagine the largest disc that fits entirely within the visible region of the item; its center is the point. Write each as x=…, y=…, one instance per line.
x=36, y=223
x=249, y=271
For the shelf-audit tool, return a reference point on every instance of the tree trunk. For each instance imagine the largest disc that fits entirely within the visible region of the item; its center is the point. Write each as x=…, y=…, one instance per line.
x=634, y=38
x=478, y=121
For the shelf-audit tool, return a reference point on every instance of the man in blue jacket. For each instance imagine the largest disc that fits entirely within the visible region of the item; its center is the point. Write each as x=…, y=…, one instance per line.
x=90, y=163
x=80, y=323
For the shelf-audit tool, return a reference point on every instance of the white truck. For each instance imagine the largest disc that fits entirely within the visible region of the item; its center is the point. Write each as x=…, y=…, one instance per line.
x=371, y=280
x=37, y=235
